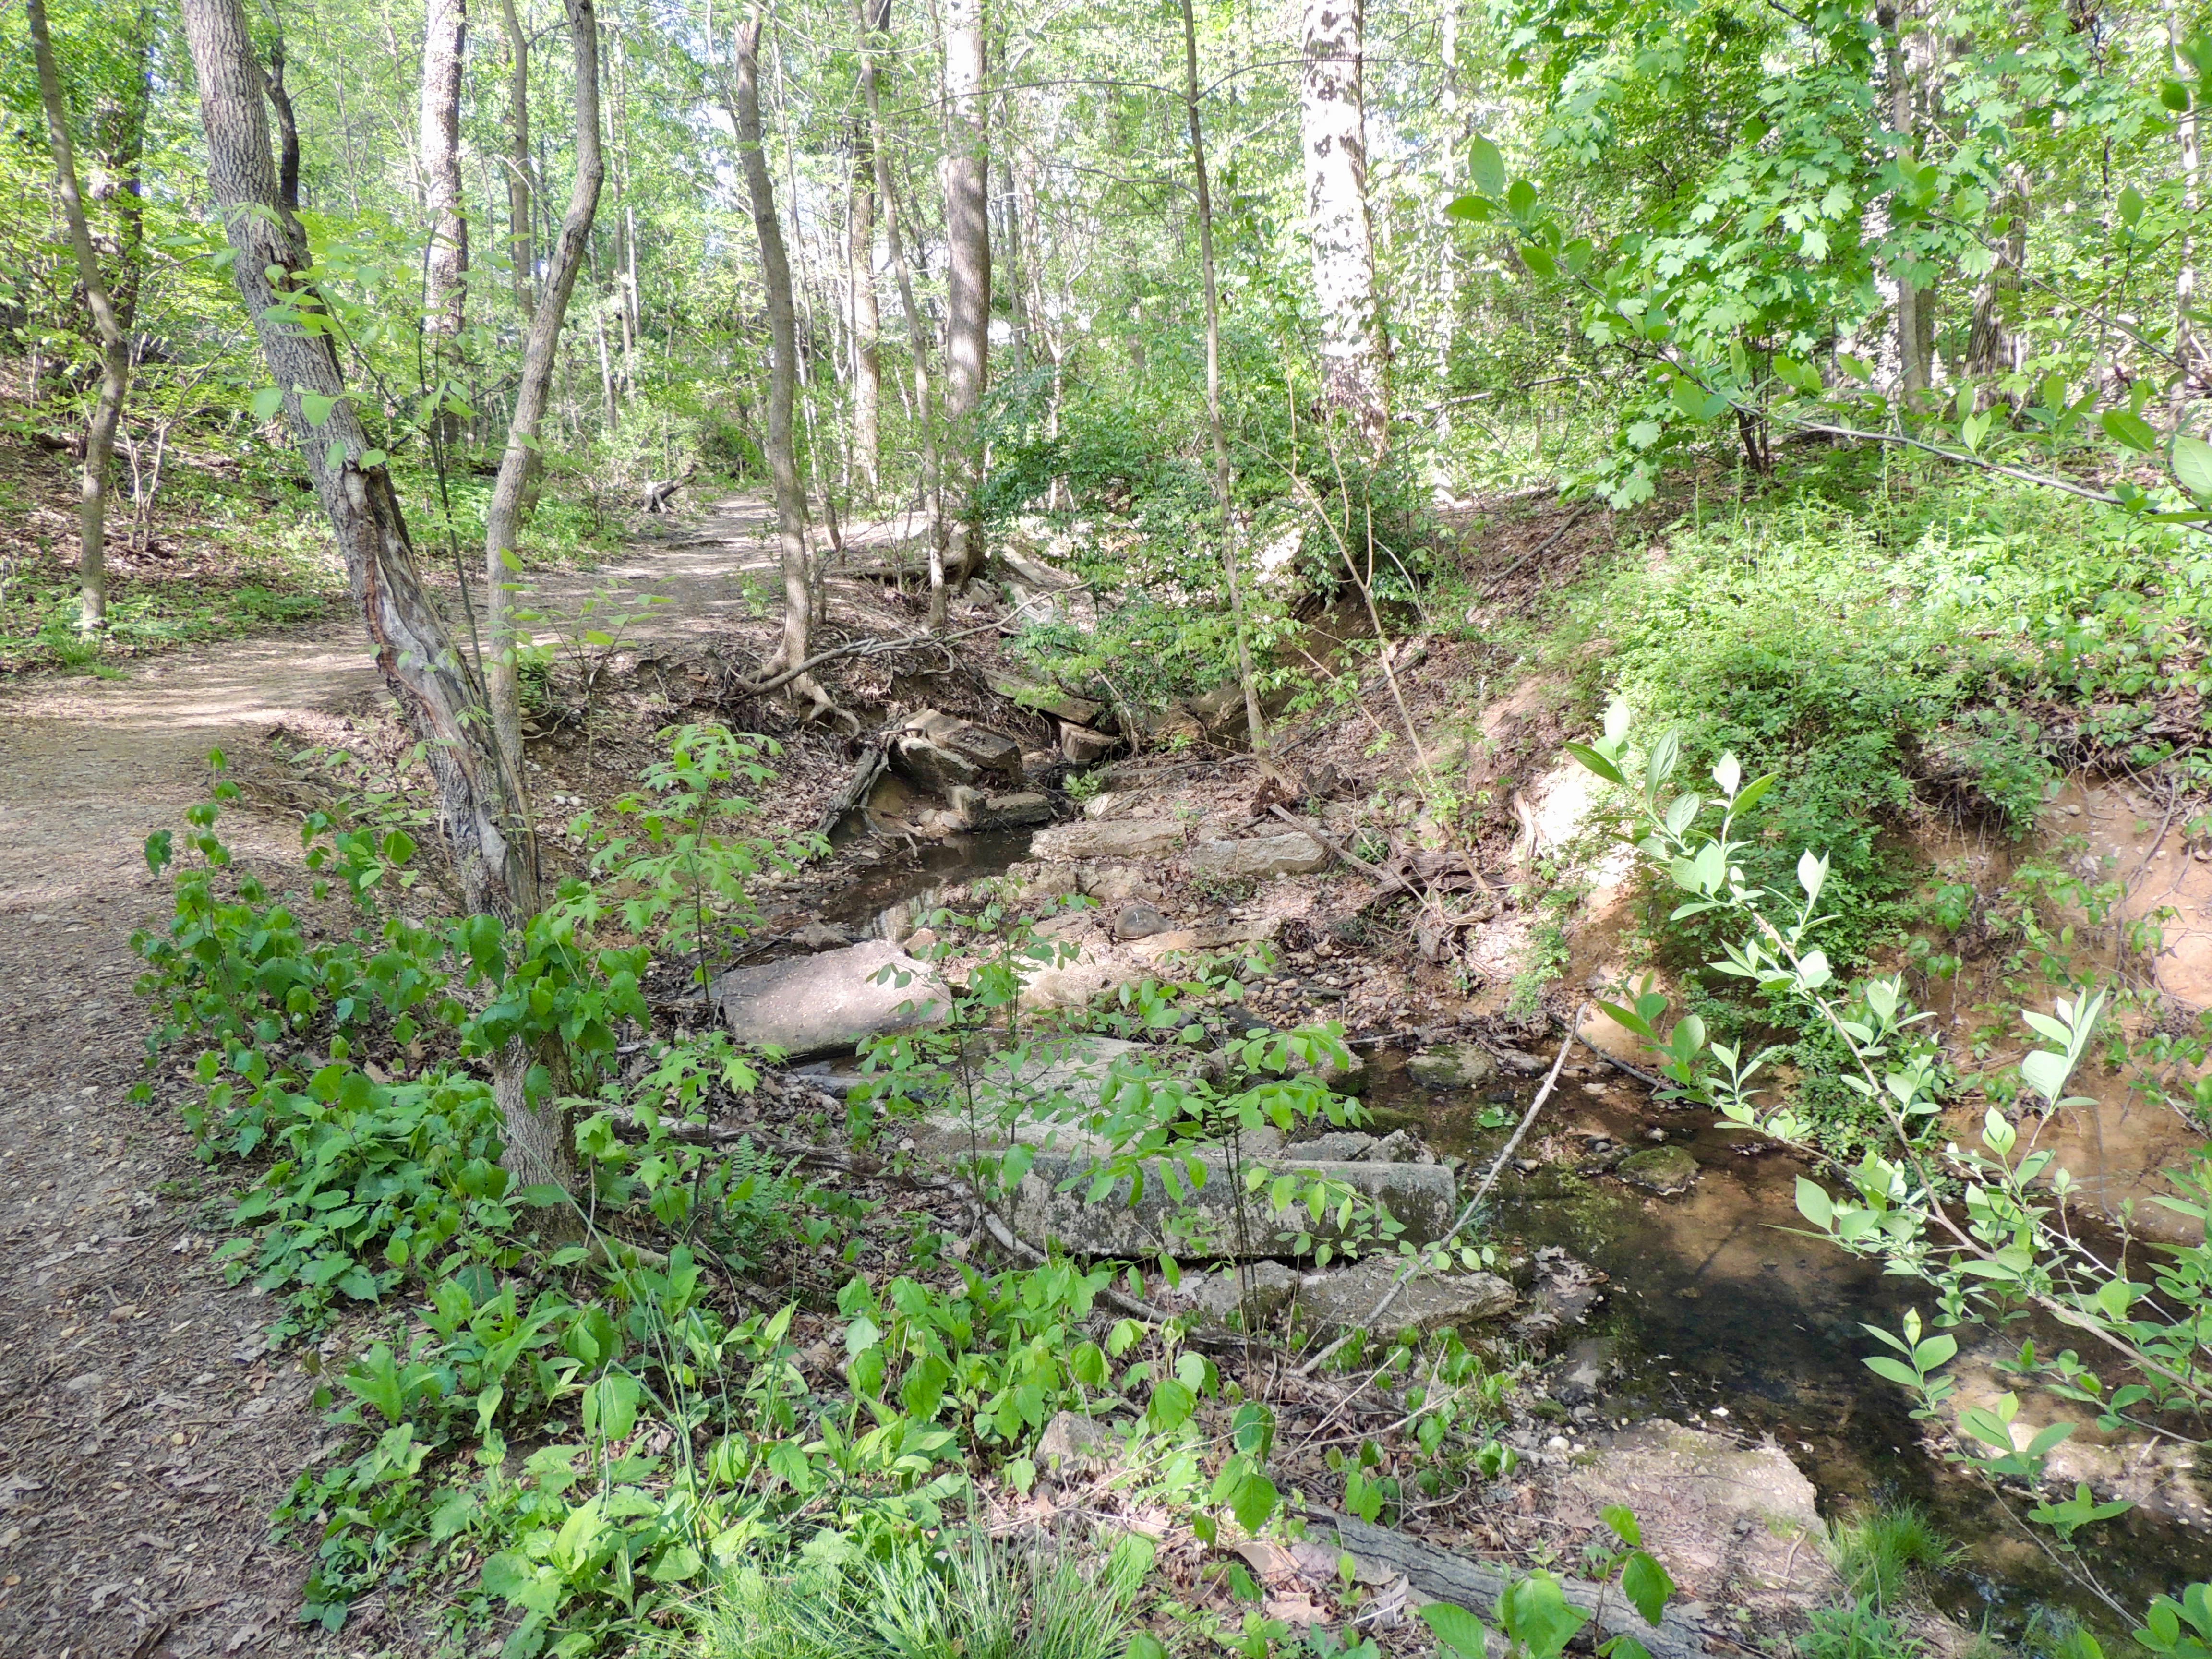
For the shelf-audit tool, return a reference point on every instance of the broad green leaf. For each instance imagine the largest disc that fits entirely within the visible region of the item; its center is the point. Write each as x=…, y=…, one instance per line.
x=2131, y=429
x=1647, y=1586
x=1814, y=1204
x=1455, y=1627
x=1471, y=209
x=2192, y=464
x=1622, y=1520
x=316, y=407
x=267, y=402
x=1486, y=167
x=1521, y=199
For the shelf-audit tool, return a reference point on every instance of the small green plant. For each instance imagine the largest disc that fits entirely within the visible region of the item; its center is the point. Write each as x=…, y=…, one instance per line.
x=1538, y=1621
x=1876, y=1553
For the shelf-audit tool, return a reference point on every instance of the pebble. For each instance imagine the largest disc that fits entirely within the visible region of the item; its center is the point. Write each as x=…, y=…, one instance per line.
x=1558, y=1443
x=1720, y=1411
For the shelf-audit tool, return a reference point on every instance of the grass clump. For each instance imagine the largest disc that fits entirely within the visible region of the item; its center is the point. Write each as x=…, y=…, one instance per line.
x=1876, y=1555
x=969, y=1598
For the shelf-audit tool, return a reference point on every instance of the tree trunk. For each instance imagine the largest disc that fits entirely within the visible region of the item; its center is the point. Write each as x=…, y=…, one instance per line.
x=861, y=267
x=540, y=354
x=521, y=249
x=2189, y=344
x=118, y=137
x=445, y=292
x=1254, y=723
x=783, y=368
x=480, y=798
x=917, y=335
x=115, y=348
x=1334, y=134
x=1991, y=350
x=1911, y=327
x=968, y=282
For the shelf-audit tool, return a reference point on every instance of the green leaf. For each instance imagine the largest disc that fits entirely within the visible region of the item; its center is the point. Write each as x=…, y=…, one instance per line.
x=1622, y=1520
x=1647, y=1586
x=1536, y=1614
x=1521, y=199
x=1595, y=761
x=316, y=407
x=1255, y=1502
x=1486, y=167
x=1455, y=1627
x=267, y=402
x=2192, y=466
x=1471, y=209
x=2131, y=429
x=2174, y=96
x=2132, y=206
x=1814, y=1204
x=1540, y=260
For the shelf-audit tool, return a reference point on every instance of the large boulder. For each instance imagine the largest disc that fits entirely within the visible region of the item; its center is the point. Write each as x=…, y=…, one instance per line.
x=1116, y=838
x=1342, y=1300
x=1258, y=858
x=834, y=1000
x=1082, y=746
x=937, y=752
x=979, y=810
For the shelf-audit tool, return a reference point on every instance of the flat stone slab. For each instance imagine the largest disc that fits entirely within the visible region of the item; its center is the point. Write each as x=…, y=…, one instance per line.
x=830, y=1000
x=1453, y=1066
x=1113, y=838
x=1345, y=1299
x=1259, y=857
x=1200, y=1223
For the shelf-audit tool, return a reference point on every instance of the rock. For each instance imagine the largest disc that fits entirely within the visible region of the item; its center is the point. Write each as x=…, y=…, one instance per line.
x=1100, y=807
x=1084, y=747
x=1400, y=1146
x=1040, y=1093
x=1071, y=1446
x=1138, y=920
x=932, y=767
x=1343, y=1146
x=1220, y=713
x=1111, y=884
x=823, y=936
x=1259, y=857
x=810, y=1005
x=1660, y=1170
x=1691, y=1492
x=1050, y=699
x=1344, y=1299
x=1220, y=1296
x=1035, y=882
x=1351, y=1078
x=1453, y=1066
x=1201, y=1222
x=978, y=811
x=1116, y=838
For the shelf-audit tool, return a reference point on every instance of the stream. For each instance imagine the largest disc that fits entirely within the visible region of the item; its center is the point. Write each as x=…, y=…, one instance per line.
x=1720, y=1313
x=1723, y=1314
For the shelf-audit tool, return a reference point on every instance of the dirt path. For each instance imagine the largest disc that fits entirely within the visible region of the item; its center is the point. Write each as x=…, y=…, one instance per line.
x=145, y=1431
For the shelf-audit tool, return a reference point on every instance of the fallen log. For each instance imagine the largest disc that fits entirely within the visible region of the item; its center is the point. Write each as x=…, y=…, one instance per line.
x=1440, y=1575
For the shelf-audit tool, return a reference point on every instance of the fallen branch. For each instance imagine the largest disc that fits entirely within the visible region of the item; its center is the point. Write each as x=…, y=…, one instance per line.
x=1441, y=1575
x=1649, y=1079
x=1490, y=588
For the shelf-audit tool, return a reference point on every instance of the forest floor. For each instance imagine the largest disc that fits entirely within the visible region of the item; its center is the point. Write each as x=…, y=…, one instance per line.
x=149, y=1431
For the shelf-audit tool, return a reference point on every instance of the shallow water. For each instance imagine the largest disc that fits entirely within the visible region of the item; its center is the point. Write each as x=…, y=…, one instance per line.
x=1717, y=1299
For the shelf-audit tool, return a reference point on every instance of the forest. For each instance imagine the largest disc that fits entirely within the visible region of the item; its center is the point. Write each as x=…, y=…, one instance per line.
x=838, y=830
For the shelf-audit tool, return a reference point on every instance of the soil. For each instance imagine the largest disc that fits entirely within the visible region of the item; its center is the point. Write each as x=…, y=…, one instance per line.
x=147, y=1429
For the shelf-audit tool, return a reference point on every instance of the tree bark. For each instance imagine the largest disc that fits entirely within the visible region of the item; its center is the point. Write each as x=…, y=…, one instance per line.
x=445, y=290
x=1334, y=134
x=968, y=283
x=540, y=354
x=1912, y=329
x=481, y=799
x=917, y=335
x=2189, y=344
x=287, y=132
x=115, y=348
x=1991, y=350
x=1254, y=723
x=860, y=268
x=521, y=249
x=783, y=368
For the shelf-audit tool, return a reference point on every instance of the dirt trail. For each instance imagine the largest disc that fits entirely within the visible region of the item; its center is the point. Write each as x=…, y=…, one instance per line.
x=145, y=1431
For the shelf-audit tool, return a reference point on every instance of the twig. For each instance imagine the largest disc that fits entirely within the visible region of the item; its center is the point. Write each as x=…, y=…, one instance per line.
x=1649, y=1079
x=1405, y=1274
